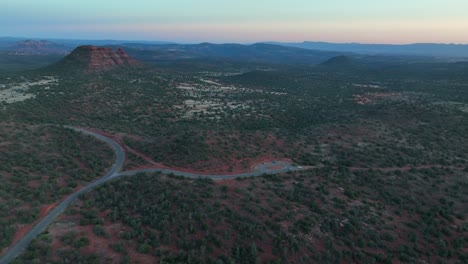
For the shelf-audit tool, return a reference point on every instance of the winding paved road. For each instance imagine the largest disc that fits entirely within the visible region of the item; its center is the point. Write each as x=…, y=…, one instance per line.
x=19, y=247
x=259, y=171
x=114, y=173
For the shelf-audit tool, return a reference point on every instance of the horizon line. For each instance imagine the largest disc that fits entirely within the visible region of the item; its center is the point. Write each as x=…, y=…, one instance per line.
x=220, y=42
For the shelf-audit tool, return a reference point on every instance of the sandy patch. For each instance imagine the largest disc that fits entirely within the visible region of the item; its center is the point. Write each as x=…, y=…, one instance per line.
x=19, y=92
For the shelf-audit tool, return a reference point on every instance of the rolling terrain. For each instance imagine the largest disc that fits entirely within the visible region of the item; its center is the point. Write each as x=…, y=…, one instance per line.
x=381, y=146
x=418, y=49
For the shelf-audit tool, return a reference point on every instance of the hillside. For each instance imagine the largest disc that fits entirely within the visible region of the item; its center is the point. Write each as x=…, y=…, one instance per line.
x=209, y=57
x=93, y=59
x=260, y=53
x=420, y=49
x=37, y=47
x=339, y=61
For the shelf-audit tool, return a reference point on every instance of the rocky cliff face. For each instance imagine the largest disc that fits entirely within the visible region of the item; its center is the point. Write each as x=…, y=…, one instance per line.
x=94, y=59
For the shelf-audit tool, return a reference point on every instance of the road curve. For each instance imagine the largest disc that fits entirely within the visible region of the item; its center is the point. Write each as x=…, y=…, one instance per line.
x=114, y=173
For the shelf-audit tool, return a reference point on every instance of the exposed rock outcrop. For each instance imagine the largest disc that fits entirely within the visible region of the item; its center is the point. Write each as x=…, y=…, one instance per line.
x=93, y=59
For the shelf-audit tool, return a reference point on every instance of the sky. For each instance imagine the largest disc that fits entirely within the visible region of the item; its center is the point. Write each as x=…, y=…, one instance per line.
x=241, y=21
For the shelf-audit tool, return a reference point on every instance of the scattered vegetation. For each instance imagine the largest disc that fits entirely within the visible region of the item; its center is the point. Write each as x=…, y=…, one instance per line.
x=387, y=144
x=40, y=165
x=323, y=216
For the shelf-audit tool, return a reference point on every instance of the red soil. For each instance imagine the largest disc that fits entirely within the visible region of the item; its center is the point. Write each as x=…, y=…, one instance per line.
x=97, y=244
x=34, y=184
x=22, y=230
x=81, y=164
x=233, y=185
x=62, y=182
x=145, y=157
x=99, y=59
x=107, y=134
x=47, y=208
x=233, y=166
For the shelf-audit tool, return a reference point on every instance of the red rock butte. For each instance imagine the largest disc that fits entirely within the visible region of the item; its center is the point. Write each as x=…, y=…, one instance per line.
x=94, y=59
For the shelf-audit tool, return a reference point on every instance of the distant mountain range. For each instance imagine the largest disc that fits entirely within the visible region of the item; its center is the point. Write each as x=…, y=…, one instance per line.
x=231, y=50
x=12, y=43
x=420, y=49
x=161, y=51
x=28, y=54
x=259, y=53
x=37, y=47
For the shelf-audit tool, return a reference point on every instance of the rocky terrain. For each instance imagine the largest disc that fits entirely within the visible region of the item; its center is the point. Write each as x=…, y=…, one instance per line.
x=93, y=59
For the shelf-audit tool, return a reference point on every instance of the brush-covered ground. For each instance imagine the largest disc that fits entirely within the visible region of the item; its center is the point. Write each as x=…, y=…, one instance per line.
x=226, y=122
x=388, y=148
x=39, y=166
x=318, y=216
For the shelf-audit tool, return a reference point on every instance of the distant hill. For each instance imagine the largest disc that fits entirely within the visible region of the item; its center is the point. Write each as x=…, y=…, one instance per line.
x=7, y=42
x=13, y=43
x=338, y=61
x=105, y=42
x=93, y=59
x=260, y=53
x=37, y=47
x=207, y=56
x=422, y=49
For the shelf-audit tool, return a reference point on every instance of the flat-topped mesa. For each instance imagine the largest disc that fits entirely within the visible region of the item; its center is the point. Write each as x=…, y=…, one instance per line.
x=93, y=59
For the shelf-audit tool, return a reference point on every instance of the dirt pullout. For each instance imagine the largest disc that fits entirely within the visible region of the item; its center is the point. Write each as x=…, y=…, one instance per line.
x=224, y=169
x=233, y=166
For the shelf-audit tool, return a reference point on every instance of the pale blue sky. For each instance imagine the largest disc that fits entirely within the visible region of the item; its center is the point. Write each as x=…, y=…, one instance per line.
x=370, y=21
